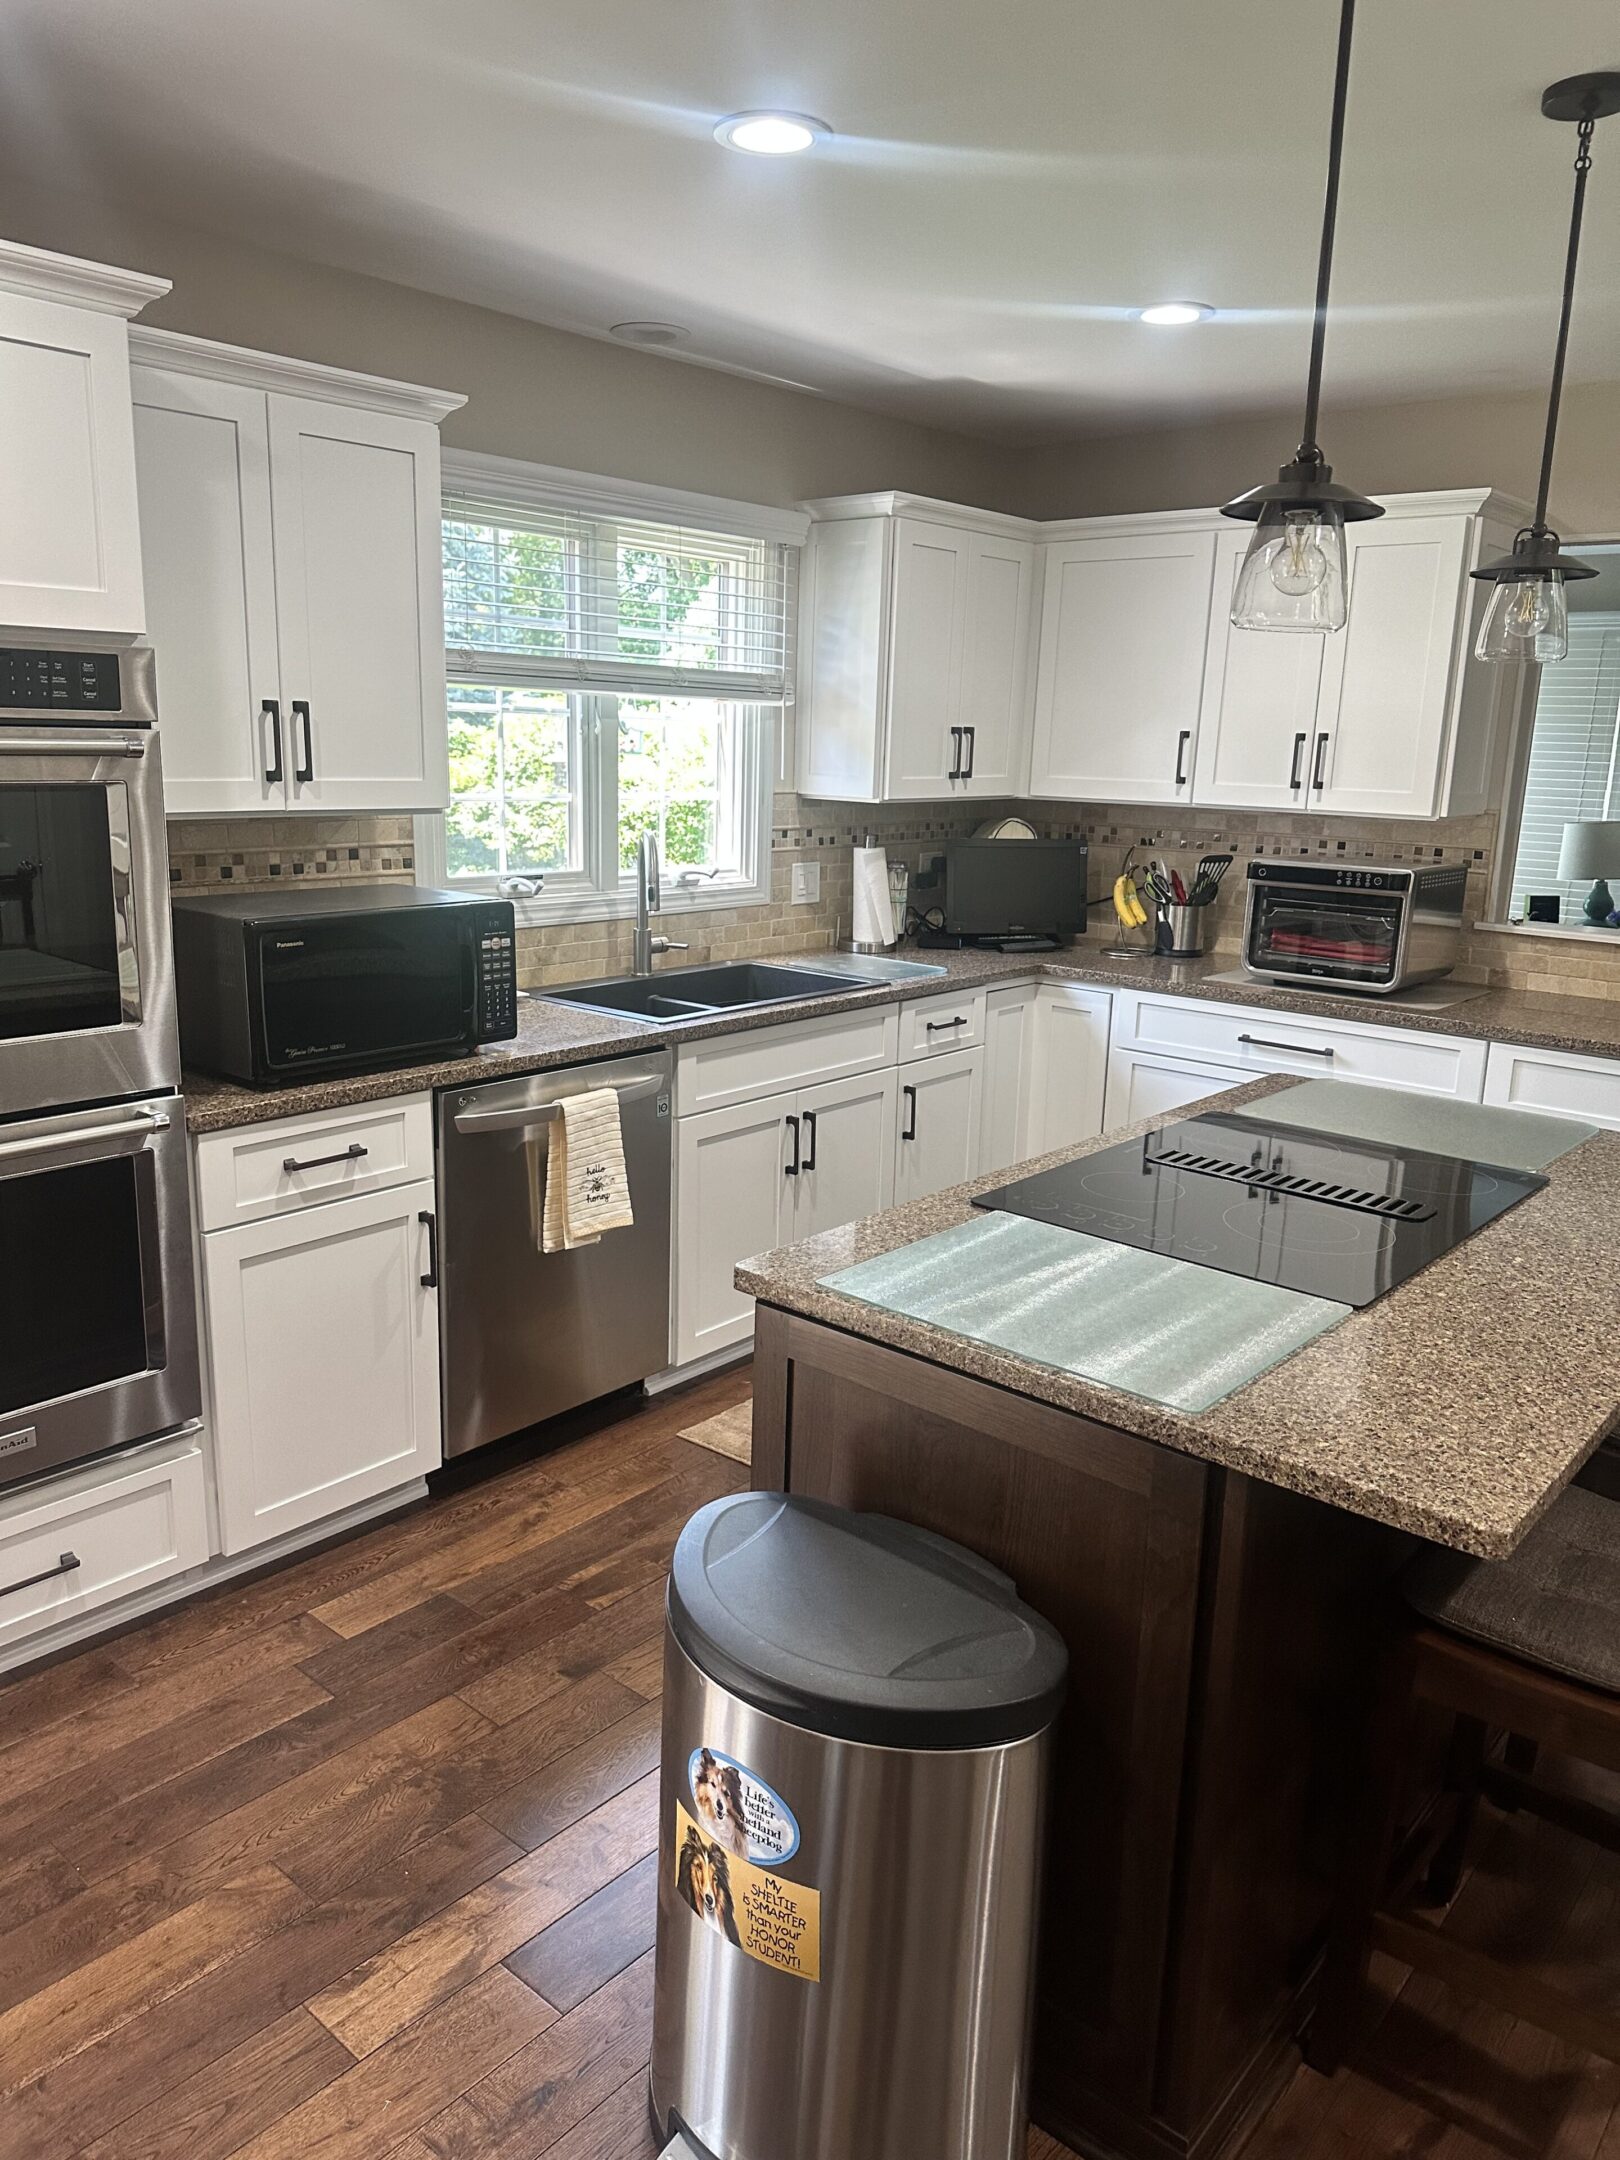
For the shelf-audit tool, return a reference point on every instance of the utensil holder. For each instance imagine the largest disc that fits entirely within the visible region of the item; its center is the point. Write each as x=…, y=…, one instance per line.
x=1179, y=933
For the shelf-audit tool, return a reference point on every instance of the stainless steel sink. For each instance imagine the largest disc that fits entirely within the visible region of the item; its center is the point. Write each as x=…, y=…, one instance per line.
x=696, y=993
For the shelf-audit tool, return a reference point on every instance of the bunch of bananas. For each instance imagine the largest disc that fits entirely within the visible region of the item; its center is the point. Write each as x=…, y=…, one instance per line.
x=1128, y=903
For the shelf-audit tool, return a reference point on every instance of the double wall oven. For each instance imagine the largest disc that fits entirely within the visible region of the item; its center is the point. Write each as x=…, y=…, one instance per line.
x=98, y=1333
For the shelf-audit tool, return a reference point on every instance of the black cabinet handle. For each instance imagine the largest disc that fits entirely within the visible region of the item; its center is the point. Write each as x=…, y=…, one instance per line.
x=354, y=1152
x=425, y=1216
x=972, y=735
x=300, y=711
x=1296, y=771
x=1182, y=740
x=955, y=772
x=1266, y=1042
x=809, y=1162
x=943, y=1027
x=65, y=1566
x=908, y=1131
x=1316, y=769
x=792, y=1169
x=270, y=710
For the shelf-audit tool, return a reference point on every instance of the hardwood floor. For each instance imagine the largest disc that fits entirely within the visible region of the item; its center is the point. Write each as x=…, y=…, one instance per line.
x=355, y=1861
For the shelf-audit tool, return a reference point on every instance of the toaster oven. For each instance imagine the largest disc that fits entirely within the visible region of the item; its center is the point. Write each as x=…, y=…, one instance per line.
x=1373, y=927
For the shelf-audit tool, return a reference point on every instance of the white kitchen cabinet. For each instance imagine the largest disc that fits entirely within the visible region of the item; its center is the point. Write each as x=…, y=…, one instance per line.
x=1124, y=631
x=1007, y=1082
x=1556, y=1082
x=915, y=652
x=937, y=1134
x=1258, y=719
x=323, y=1334
x=1144, y=1083
x=1255, y=1039
x=70, y=541
x=758, y=1174
x=1069, y=1075
x=291, y=520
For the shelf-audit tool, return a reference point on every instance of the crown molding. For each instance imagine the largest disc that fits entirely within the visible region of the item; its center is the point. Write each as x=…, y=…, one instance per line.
x=829, y=509
x=40, y=275
x=183, y=355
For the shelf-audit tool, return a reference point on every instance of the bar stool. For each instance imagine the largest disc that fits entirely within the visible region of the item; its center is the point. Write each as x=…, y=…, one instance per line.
x=1530, y=1644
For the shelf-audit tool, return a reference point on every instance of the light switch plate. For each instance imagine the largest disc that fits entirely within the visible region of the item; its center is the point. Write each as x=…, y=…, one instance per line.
x=806, y=886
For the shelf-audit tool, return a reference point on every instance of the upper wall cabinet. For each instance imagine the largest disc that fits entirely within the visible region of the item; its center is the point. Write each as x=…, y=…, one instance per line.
x=915, y=654
x=290, y=521
x=70, y=544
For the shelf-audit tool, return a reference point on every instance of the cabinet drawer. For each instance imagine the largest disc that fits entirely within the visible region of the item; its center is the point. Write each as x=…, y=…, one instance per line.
x=933, y=1024
x=1254, y=1039
x=128, y=1523
x=799, y=1053
x=1555, y=1081
x=243, y=1176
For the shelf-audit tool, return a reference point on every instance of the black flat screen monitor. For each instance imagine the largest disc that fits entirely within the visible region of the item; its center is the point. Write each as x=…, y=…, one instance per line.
x=997, y=888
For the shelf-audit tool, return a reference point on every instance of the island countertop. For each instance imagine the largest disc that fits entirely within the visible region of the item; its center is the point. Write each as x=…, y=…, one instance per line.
x=1456, y=1407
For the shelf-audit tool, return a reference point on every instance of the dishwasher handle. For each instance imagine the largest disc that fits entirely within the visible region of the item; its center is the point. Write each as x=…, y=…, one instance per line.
x=521, y=1114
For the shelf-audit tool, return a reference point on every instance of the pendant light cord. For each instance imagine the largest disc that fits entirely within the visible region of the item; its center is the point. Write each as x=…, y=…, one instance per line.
x=1309, y=451
x=1583, y=165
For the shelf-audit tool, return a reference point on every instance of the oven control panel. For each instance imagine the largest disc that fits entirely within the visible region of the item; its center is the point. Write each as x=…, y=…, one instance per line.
x=1336, y=877
x=81, y=684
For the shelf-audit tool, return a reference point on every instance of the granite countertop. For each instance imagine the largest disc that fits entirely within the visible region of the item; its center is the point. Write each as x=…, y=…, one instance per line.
x=550, y=1034
x=1455, y=1408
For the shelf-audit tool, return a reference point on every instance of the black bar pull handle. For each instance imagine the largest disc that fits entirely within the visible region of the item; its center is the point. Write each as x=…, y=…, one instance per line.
x=943, y=1027
x=792, y=1169
x=270, y=709
x=430, y=1223
x=809, y=1118
x=908, y=1131
x=1296, y=772
x=972, y=738
x=1182, y=740
x=1317, y=781
x=354, y=1152
x=65, y=1566
x=300, y=711
x=955, y=772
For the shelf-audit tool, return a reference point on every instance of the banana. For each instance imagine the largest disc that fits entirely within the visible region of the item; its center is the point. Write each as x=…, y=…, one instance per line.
x=1134, y=899
x=1121, y=904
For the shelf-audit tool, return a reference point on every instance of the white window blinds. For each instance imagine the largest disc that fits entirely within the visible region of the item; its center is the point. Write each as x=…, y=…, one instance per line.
x=1573, y=757
x=568, y=598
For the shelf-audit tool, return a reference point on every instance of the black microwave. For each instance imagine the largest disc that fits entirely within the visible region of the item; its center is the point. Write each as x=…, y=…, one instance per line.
x=278, y=988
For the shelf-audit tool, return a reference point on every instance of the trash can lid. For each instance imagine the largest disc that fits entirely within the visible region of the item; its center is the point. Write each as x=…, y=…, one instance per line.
x=861, y=1627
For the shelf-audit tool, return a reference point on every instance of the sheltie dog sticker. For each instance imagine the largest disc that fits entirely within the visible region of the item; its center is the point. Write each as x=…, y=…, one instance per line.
x=726, y=1850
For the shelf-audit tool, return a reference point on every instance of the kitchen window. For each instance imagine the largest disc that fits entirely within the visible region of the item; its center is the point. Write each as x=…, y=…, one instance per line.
x=616, y=663
x=1573, y=765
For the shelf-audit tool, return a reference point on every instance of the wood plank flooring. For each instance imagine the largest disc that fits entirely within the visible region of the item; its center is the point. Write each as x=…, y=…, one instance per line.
x=353, y=1861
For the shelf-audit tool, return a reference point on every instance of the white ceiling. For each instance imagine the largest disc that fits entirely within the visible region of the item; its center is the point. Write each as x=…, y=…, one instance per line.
x=1008, y=179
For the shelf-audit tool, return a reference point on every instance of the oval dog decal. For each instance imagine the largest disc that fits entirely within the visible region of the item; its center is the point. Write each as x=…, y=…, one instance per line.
x=739, y=1812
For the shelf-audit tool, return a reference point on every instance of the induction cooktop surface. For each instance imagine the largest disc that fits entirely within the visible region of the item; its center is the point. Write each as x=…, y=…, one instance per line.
x=1338, y=1218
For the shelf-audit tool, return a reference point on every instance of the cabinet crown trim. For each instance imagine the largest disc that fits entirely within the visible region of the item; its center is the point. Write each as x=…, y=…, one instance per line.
x=183, y=355
x=1464, y=502
x=75, y=282
x=831, y=509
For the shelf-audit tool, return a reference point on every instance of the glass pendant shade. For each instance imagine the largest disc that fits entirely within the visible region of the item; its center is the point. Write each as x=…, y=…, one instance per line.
x=1528, y=619
x=1294, y=574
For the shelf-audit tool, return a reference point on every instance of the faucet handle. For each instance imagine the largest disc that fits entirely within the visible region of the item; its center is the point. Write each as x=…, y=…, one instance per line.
x=665, y=944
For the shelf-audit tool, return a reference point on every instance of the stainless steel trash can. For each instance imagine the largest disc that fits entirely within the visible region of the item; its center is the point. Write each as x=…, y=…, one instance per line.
x=856, y=1719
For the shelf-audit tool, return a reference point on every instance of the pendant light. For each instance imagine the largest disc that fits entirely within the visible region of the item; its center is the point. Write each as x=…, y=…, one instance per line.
x=1528, y=618
x=1294, y=575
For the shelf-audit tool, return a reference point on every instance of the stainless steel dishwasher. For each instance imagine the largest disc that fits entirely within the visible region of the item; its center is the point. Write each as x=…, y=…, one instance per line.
x=526, y=1334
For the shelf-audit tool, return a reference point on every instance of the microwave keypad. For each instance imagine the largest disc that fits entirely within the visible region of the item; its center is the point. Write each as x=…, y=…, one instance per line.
x=497, y=985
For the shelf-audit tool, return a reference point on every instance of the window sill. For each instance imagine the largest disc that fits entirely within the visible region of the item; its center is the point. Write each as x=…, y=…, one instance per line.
x=1576, y=933
x=555, y=909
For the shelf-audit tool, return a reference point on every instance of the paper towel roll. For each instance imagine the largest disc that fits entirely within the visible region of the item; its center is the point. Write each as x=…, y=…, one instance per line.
x=873, y=917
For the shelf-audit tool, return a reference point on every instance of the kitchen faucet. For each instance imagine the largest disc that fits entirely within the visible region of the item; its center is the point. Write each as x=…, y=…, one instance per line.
x=649, y=902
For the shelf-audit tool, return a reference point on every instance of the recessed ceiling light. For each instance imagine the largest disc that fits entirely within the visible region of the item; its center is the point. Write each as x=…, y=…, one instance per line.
x=1171, y=313
x=650, y=333
x=771, y=134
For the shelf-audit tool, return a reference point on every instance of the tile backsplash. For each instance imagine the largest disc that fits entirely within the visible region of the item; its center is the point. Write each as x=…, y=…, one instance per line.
x=269, y=854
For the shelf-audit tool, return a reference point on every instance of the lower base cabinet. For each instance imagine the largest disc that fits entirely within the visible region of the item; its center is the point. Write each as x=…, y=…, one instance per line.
x=938, y=1129
x=1069, y=1067
x=1142, y=1084
x=1554, y=1081
x=324, y=1331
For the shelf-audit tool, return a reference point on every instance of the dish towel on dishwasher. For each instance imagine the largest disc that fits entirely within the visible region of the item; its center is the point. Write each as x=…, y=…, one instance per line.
x=587, y=1190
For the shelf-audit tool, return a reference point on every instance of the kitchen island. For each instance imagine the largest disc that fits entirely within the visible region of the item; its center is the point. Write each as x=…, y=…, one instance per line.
x=1225, y=1578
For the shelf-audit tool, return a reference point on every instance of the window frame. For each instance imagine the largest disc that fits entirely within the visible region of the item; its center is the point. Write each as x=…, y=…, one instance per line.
x=598, y=891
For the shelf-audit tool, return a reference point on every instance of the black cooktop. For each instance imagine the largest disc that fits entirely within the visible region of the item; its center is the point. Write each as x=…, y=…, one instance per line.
x=1311, y=1211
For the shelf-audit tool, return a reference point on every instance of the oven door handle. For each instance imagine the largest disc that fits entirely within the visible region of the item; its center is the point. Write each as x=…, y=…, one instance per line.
x=477, y=1121
x=147, y=1123
x=97, y=746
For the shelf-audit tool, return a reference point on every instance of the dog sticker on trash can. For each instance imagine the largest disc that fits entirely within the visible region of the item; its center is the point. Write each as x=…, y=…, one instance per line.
x=776, y=1922
x=739, y=1811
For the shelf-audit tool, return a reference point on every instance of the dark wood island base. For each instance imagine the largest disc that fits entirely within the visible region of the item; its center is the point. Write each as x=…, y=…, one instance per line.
x=1223, y=1635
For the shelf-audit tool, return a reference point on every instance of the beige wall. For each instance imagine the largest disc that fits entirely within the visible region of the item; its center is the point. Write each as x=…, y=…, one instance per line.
x=1383, y=450
x=531, y=392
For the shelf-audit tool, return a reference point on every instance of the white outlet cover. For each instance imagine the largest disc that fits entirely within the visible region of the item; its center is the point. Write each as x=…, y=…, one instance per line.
x=806, y=883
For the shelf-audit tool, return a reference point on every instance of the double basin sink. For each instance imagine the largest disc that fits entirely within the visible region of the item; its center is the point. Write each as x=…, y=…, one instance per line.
x=698, y=993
